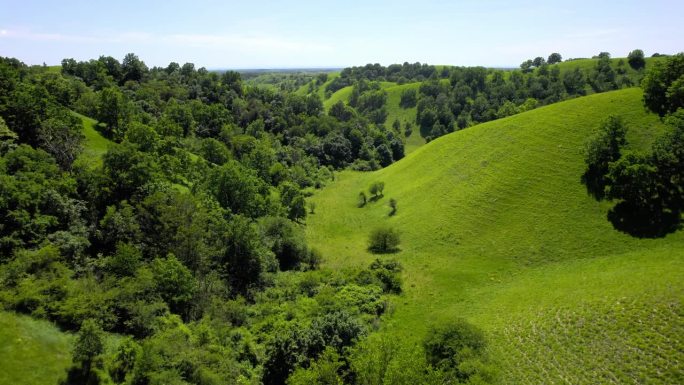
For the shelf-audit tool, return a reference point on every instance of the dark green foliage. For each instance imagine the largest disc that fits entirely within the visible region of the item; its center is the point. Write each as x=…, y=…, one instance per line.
x=124, y=361
x=238, y=189
x=603, y=78
x=574, y=81
x=144, y=136
x=455, y=348
x=89, y=343
x=286, y=241
x=554, y=58
x=36, y=199
x=376, y=189
x=119, y=225
x=340, y=111
x=127, y=171
x=246, y=260
x=125, y=261
x=132, y=68
x=664, y=85
x=362, y=200
x=636, y=59
x=388, y=272
x=177, y=236
x=174, y=283
x=384, y=240
x=114, y=111
x=293, y=200
x=538, y=61
x=298, y=346
x=88, y=348
x=600, y=151
x=401, y=73
x=60, y=135
x=648, y=188
x=323, y=371
x=409, y=97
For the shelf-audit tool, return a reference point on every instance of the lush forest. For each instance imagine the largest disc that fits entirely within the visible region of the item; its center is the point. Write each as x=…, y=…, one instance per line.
x=178, y=255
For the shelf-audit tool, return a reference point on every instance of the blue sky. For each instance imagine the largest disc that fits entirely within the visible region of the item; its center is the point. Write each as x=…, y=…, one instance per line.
x=269, y=34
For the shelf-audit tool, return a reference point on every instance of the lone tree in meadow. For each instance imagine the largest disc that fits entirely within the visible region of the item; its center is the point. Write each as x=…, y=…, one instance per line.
x=384, y=240
x=636, y=59
x=393, y=206
x=362, y=199
x=602, y=149
x=376, y=189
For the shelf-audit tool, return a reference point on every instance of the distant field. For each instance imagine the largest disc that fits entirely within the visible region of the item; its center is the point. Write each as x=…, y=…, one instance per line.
x=32, y=352
x=497, y=228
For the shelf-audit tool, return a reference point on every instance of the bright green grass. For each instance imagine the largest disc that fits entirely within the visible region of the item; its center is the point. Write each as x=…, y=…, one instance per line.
x=342, y=94
x=95, y=145
x=394, y=111
x=304, y=90
x=497, y=228
x=31, y=351
x=590, y=64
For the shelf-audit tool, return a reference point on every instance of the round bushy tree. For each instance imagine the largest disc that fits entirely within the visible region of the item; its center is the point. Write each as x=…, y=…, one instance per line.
x=636, y=59
x=384, y=240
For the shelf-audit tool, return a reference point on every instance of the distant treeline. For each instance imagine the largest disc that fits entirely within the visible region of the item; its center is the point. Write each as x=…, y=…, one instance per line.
x=453, y=98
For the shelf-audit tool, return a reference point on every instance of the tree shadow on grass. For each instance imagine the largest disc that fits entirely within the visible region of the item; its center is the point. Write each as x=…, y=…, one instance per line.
x=644, y=222
x=594, y=180
x=394, y=250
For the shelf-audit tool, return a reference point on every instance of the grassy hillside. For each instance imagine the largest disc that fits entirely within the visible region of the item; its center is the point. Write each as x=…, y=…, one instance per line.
x=31, y=351
x=497, y=228
x=394, y=111
x=320, y=91
x=95, y=145
x=590, y=64
x=342, y=94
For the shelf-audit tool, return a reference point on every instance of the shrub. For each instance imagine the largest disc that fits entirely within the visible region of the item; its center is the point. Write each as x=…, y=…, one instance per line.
x=384, y=240
x=457, y=348
x=376, y=188
x=362, y=199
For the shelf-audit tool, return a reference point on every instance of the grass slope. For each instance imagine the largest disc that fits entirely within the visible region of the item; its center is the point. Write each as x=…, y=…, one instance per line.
x=587, y=65
x=395, y=112
x=497, y=228
x=95, y=145
x=31, y=351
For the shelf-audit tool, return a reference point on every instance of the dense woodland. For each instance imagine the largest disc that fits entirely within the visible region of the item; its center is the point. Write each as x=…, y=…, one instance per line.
x=184, y=241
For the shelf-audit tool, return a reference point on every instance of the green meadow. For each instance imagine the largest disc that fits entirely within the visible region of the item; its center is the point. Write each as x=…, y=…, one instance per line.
x=95, y=145
x=33, y=352
x=497, y=228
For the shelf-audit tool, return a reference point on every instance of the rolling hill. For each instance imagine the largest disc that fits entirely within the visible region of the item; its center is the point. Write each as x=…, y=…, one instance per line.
x=414, y=141
x=497, y=228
